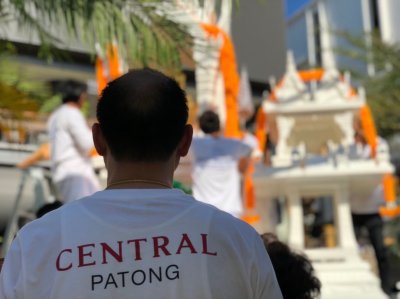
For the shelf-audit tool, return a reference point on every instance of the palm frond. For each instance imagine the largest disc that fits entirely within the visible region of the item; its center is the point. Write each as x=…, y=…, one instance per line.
x=146, y=35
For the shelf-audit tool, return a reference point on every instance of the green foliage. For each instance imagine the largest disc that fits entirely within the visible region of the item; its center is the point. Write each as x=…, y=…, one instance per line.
x=144, y=36
x=17, y=93
x=383, y=89
x=50, y=104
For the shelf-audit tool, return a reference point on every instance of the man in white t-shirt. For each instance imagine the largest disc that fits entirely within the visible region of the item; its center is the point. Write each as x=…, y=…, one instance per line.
x=216, y=166
x=139, y=238
x=365, y=212
x=71, y=143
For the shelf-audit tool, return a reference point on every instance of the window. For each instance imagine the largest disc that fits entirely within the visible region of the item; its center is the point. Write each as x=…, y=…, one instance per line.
x=374, y=14
x=317, y=38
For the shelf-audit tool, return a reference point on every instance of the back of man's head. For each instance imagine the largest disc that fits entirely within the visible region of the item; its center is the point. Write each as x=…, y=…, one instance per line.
x=209, y=122
x=72, y=90
x=142, y=116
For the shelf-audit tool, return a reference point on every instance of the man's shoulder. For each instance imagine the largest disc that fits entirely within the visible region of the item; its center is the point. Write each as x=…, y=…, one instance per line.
x=227, y=143
x=235, y=142
x=64, y=112
x=49, y=223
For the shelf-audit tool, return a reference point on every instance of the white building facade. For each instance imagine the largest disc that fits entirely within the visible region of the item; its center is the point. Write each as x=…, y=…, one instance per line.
x=312, y=33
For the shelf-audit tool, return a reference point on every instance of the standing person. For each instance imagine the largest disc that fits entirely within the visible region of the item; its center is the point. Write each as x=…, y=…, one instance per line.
x=139, y=238
x=365, y=214
x=71, y=143
x=217, y=166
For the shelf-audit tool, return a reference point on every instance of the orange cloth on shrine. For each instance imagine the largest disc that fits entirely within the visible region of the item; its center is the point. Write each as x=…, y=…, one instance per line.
x=108, y=68
x=368, y=127
x=228, y=68
x=311, y=75
x=389, y=191
x=114, y=62
x=101, y=77
x=389, y=188
x=261, y=128
x=248, y=187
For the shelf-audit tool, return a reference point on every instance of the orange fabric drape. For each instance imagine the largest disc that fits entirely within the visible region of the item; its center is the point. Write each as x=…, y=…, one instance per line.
x=311, y=75
x=228, y=68
x=101, y=76
x=248, y=187
x=307, y=76
x=272, y=97
x=250, y=214
x=389, y=188
x=108, y=68
x=114, y=62
x=368, y=127
x=261, y=128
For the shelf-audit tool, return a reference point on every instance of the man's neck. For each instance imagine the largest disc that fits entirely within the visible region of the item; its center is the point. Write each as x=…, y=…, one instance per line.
x=139, y=175
x=215, y=134
x=73, y=104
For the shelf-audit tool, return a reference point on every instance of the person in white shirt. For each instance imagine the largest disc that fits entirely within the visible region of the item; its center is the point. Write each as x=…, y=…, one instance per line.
x=365, y=213
x=139, y=238
x=71, y=143
x=217, y=166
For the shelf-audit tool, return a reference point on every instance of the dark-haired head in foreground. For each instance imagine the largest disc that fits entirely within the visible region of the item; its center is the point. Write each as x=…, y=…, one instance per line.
x=142, y=116
x=141, y=134
x=294, y=271
x=142, y=119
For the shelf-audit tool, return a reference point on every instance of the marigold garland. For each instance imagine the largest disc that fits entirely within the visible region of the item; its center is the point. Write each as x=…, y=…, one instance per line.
x=368, y=127
x=228, y=68
x=109, y=68
x=261, y=129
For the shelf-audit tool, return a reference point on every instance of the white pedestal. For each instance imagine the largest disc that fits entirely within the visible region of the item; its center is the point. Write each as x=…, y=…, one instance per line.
x=342, y=272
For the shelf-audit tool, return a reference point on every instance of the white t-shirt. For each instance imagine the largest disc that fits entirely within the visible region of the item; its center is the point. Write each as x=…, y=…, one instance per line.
x=253, y=142
x=369, y=203
x=215, y=174
x=138, y=243
x=71, y=141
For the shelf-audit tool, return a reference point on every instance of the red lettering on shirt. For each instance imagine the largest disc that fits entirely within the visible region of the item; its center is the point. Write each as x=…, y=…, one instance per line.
x=186, y=243
x=205, y=245
x=138, y=256
x=106, y=248
x=158, y=246
x=58, y=266
x=92, y=254
x=82, y=255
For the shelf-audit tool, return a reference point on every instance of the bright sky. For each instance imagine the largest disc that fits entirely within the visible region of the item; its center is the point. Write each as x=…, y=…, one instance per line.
x=291, y=6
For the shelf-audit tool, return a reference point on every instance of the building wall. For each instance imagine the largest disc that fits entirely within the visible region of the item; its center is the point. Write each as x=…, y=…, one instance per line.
x=258, y=30
x=354, y=17
x=389, y=11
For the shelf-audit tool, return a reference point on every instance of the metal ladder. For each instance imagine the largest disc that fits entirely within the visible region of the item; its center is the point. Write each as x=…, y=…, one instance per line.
x=42, y=195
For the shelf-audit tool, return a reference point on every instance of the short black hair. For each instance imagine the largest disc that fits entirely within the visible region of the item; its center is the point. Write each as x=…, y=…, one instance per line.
x=71, y=90
x=294, y=271
x=142, y=115
x=209, y=122
x=48, y=208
